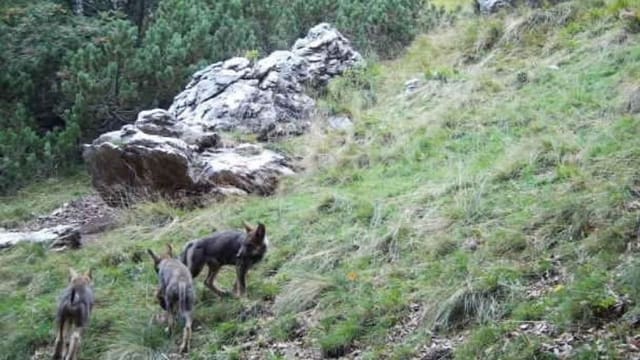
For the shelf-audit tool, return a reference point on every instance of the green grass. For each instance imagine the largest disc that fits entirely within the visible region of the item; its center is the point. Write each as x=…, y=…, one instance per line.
x=40, y=198
x=453, y=4
x=540, y=171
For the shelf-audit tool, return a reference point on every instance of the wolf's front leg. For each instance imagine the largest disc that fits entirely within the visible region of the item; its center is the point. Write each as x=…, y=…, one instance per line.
x=211, y=278
x=240, y=287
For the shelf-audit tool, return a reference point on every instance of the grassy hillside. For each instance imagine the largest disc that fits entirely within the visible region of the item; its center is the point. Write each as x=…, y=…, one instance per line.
x=502, y=194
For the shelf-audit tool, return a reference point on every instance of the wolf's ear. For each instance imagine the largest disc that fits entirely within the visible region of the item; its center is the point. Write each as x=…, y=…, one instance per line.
x=247, y=227
x=72, y=273
x=89, y=274
x=169, y=250
x=260, y=233
x=153, y=256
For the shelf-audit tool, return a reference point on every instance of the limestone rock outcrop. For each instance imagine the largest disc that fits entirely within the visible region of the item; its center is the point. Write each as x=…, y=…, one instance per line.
x=178, y=152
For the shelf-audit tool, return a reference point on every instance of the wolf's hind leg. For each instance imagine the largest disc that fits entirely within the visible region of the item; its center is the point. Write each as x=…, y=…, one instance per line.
x=186, y=333
x=170, y=322
x=59, y=346
x=74, y=344
x=211, y=277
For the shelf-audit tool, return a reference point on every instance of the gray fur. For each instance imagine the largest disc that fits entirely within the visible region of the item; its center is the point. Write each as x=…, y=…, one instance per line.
x=240, y=249
x=72, y=316
x=176, y=293
x=176, y=285
x=75, y=305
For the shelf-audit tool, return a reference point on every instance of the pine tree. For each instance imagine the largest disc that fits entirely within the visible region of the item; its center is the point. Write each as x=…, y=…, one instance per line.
x=100, y=84
x=176, y=42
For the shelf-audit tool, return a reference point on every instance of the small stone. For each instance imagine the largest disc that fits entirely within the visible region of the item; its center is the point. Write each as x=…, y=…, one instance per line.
x=522, y=77
x=471, y=244
x=340, y=122
x=411, y=86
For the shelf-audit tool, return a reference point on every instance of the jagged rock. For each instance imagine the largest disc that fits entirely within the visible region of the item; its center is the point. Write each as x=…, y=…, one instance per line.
x=490, y=6
x=410, y=86
x=327, y=53
x=162, y=123
x=157, y=122
x=246, y=167
x=128, y=163
x=266, y=98
x=178, y=152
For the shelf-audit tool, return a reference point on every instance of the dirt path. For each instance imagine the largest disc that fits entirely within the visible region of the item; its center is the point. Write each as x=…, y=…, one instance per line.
x=89, y=213
x=71, y=225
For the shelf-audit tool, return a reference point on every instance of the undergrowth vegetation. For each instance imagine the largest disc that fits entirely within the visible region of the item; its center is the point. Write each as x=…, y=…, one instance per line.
x=504, y=189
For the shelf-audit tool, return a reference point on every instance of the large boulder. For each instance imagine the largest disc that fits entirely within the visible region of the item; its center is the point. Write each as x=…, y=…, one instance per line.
x=179, y=152
x=266, y=97
x=131, y=163
x=125, y=164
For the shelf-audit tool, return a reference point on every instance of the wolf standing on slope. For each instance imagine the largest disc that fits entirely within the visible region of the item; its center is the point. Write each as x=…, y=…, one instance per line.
x=73, y=314
x=241, y=249
x=176, y=292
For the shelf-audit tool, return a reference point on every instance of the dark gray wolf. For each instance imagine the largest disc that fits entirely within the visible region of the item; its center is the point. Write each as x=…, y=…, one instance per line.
x=73, y=314
x=176, y=293
x=237, y=248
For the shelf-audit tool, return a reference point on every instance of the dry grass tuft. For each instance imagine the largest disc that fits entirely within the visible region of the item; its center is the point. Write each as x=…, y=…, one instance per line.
x=301, y=294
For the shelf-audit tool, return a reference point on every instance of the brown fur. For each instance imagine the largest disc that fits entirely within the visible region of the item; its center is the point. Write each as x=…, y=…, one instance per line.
x=175, y=292
x=74, y=310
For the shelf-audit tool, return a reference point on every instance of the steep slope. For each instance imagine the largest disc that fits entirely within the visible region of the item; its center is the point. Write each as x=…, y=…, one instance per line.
x=488, y=210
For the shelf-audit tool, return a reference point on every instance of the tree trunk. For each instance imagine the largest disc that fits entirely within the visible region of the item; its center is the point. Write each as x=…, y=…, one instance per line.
x=140, y=20
x=78, y=7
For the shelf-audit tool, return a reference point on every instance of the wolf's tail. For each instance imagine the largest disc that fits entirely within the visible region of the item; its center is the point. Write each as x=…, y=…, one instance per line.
x=72, y=299
x=193, y=258
x=185, y=256
x=185, y=297
x=77, y=301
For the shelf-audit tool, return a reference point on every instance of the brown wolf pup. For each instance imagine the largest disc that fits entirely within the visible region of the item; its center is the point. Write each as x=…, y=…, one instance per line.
x=176, y=292
x=73, y=314
x=241, y=249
